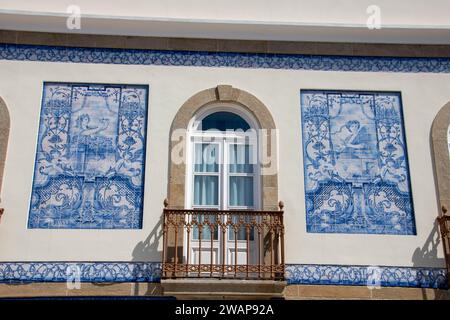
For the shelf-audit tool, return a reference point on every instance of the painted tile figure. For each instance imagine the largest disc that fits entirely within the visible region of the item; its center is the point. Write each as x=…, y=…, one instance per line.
x=89, y=170
x=355, y=163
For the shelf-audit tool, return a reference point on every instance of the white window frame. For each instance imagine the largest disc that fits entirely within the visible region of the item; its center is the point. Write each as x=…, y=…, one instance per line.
x=225, y=139
x=192, y=134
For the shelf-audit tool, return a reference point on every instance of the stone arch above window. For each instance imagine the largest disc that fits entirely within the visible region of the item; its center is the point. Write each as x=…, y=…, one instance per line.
x=4, y=135
x=441, y=153
x=228, y=95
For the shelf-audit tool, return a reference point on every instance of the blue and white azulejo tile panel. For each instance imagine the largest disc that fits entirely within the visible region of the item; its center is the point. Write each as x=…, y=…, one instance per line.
x=384, y=276
x=355, y=163
x=90, y=157
x=17, y=272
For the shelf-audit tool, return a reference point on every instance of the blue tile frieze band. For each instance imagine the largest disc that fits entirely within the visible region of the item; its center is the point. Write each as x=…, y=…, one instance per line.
x=89, y=171
x=222, y=59
x=23, y=272
x=355, y=163
x=367, y=275
x=11, y=272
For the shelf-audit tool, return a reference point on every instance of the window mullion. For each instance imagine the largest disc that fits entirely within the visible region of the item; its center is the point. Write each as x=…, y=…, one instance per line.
x=225, y=173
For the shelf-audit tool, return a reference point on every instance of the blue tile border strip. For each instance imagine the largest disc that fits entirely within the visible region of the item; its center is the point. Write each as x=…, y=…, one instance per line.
x=18, y=272
x=222, y=59
x=25, y=272
x=417, y=277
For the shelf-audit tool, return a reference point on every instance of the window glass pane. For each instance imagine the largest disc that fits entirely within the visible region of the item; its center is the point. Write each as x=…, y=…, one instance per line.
x=241, y=191
x=242, y=231
x=223, y=121
x=206, y=190
x=241, y=158
x=206, y=157
x=206, y=231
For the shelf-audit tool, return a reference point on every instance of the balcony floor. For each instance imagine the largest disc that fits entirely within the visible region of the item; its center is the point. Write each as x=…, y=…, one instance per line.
x=188, y=288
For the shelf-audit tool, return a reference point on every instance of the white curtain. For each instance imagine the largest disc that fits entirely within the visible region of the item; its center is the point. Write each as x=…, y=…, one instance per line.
x=206, y=157
x=241, y=159
x=240, y=187
x=206, y=189
x=241, y=191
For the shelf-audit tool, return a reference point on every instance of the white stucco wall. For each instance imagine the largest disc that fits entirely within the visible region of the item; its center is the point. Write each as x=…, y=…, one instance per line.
x=349, y=12
x=401, y=21
x=21, y=88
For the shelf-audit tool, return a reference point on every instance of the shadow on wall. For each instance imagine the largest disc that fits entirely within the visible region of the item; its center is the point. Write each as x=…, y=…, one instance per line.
x=428, y=255
x=147, y=251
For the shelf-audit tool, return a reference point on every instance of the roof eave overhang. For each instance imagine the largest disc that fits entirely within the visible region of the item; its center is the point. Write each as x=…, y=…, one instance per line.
x=216, y=29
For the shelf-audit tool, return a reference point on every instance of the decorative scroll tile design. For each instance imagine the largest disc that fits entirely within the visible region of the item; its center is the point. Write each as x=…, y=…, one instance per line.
x=89, y=171
x=22, y=272
x=355, y=163
x=221, y=59
x=11, y=272
x=364, y=275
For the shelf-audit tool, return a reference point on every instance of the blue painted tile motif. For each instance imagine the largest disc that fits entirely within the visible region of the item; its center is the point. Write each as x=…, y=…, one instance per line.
x=355, y=163
x=392, y=276
x=223, y=59
x=385, y=276
x=89, y=170
x=22, y=272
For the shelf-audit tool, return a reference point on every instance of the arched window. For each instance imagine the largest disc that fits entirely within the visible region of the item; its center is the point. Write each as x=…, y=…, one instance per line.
x=440, y=135
x=223, y=162
x=223, y=170
x=233, y=167
x=251, y=112
x=4, y=135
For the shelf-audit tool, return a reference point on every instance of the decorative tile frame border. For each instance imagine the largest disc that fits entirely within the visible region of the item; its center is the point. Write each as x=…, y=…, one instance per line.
x=363, y=275
x=19, y=272
x=25, y=272
x=222, y=59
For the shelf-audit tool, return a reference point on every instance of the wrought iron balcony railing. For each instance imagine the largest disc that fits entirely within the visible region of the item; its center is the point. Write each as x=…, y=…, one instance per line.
x=208, y=243
x=444, y=226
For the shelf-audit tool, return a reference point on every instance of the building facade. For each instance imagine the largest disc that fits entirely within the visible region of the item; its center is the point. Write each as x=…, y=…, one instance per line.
x=254, y=156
